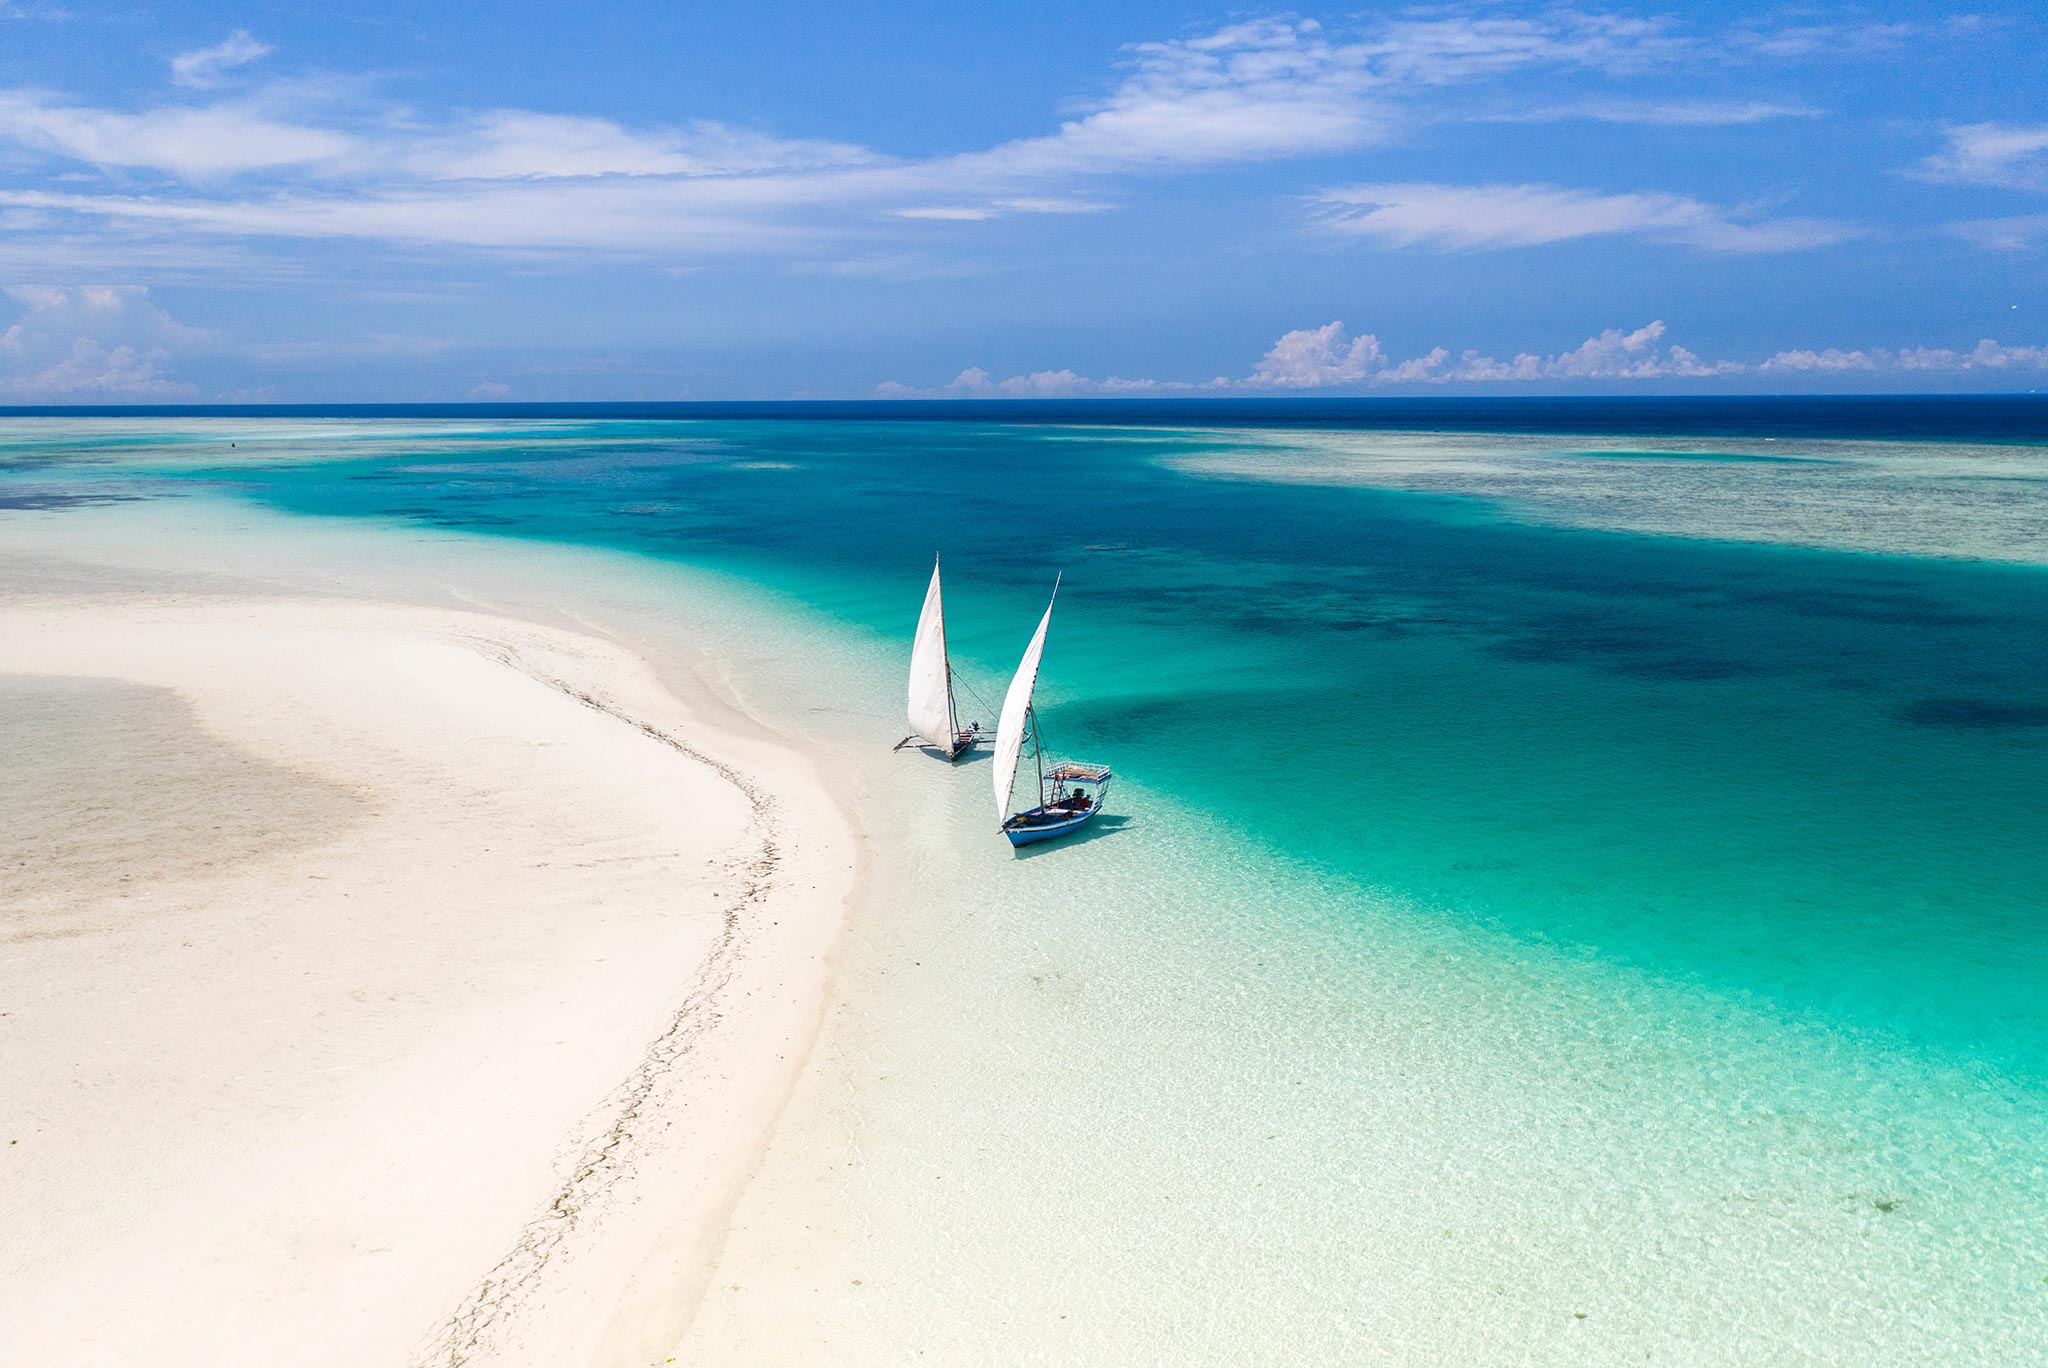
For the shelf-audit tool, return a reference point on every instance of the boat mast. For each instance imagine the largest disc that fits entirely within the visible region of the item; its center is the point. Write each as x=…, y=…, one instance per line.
x=1037, y=754
x=952, y=713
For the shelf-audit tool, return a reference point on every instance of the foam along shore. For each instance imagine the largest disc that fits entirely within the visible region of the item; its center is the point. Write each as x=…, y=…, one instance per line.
x=382, y=983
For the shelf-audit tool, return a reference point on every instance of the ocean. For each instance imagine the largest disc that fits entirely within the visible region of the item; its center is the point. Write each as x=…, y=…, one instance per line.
x=1576, y=888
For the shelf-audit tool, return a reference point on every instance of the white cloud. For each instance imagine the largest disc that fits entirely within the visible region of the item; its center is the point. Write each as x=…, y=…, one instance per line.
x=1455, y=217
x=1832, y=359
x=1633, y=356
x=1797, y=41
x=1437, y=51
x=616, y=214
x=192, y=143
x=205, y=66
x=999, y=208
x=83, y=343
x=511, y=144
x=1993, y=154
x=1613, y=354
x=1042, y=205
x=332, y=162
x=1329, y=357
x=1988, y=355
x=1672, y=113
x=1266, y=88
x=976, y=383
x=1314, y=358
x=2017, y=233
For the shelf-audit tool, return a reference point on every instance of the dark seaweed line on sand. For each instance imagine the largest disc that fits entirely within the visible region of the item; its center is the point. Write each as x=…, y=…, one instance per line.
x=607, y=1160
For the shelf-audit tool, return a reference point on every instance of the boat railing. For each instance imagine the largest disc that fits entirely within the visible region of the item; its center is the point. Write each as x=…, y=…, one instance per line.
x=1078, y=772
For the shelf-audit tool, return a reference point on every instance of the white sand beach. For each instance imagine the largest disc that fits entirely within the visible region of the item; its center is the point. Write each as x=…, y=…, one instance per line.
x=382, y=984
x=369, y=1001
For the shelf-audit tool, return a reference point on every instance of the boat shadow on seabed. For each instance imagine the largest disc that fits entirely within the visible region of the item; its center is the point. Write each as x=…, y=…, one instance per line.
x=1105, y=825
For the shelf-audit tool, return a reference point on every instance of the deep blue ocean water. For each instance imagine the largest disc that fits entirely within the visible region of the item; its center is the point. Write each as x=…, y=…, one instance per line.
x=1814, y=779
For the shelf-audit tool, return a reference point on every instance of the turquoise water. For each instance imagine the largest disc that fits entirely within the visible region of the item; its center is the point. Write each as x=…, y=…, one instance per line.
x=1569, y=899
x=1808, y=778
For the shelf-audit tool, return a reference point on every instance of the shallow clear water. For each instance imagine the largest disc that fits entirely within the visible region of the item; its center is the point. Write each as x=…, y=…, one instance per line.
x=1806, y=775
x=1776, y=807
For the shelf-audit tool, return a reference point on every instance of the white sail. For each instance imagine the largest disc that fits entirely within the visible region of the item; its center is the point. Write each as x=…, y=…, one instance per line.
x=1016, y=705
x=931, y=682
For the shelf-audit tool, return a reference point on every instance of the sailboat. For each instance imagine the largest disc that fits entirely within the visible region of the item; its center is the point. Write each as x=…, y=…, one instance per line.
x=933, y=718
x=1070, y=793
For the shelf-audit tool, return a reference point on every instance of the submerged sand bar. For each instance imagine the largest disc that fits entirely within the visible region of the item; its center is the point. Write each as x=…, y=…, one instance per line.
x=382, y=984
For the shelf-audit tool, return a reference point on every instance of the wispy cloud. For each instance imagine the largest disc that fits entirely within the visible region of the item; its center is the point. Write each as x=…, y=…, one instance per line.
x=205, y=67
x=1467, y=217
x=2006, y=155
x=958, y=213
x=1444, y=48
x=1251, y=91
x=1668, y=113
x=1777, y=40
x=284, y=160
x=2019, y=232
x=513, y=178
x=196, y=143
x=511, y=144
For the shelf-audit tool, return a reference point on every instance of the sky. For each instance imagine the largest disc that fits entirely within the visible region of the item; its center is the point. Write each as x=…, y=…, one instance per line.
x=262, y=202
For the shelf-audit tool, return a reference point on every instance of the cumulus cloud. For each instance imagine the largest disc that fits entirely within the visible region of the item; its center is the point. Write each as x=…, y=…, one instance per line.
x=1480, y=217
x=206, y=66
x=85, y=343
x=1634, y=356
x=1613, y=354
x=1329, y=357
x=1832, y=359
x=1987, y=355
x=1315, y=358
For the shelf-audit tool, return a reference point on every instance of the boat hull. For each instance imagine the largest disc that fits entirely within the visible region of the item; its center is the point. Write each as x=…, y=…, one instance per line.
x=1022, y=833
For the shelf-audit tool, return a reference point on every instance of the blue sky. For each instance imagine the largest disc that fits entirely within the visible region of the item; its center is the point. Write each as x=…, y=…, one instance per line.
x=659, y=201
